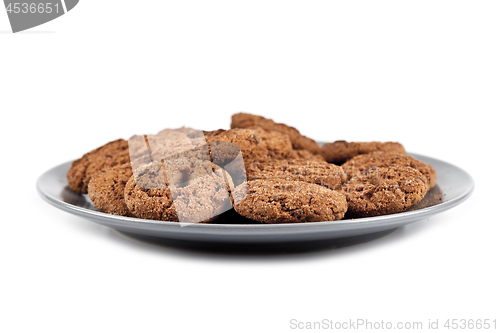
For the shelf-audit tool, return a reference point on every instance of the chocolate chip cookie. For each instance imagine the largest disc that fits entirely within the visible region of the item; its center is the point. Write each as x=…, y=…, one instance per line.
x=339, y=152
x=256, y=144
x=361, y=164
x=81, y=171
x=384, y=190
x=253, y=148
x=282, y=201
x=179, y=144
x=193, y=193
x=252, y=145
x=278, y=144
x=324, y=174
x=106, y=189
x=245, y=120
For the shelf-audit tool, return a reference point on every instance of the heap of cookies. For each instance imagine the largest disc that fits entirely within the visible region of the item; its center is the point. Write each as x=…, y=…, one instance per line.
x=258, y=171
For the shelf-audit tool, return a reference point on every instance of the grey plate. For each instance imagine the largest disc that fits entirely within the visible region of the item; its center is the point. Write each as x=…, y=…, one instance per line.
x=455, y=185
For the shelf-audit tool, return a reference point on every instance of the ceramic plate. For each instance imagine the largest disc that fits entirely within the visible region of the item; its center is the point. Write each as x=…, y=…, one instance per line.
x=454, y=185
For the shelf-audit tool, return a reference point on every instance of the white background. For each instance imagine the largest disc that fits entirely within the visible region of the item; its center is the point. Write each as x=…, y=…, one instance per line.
x=424, y=73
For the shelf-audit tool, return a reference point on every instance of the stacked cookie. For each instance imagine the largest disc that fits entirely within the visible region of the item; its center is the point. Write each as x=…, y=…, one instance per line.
x=267, y=172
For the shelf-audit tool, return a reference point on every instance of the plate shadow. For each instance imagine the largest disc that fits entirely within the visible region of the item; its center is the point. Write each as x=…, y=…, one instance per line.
x=256, y=248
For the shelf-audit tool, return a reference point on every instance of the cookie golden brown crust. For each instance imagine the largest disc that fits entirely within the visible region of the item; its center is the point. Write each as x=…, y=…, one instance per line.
x=179, y=144
x=339, y=152
x=361, y=164
x=245, y=120
x=194, y=193
x=278, y=144
x=204, y=199
x=280, y=201
x=302, y=154
x=106, y=190
x=81, y=171
x=384, y=191
x=152, y=198
x=256, y=144
x=253, y=147
x=324, y=174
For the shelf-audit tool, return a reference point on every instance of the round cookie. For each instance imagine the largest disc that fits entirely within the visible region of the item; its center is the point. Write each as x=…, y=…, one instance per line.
x=328, y=175
x=204, y=199
x=277, y=143
x=194, y=193
x=177, y=144
x=253, y=147
x=151, y=198
x=256, y=144
x=81, y=171
x=106, y=189
x=245, y=120
x=281, y=201
x=363, y=163
x=384, y=191
x=339, y=152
